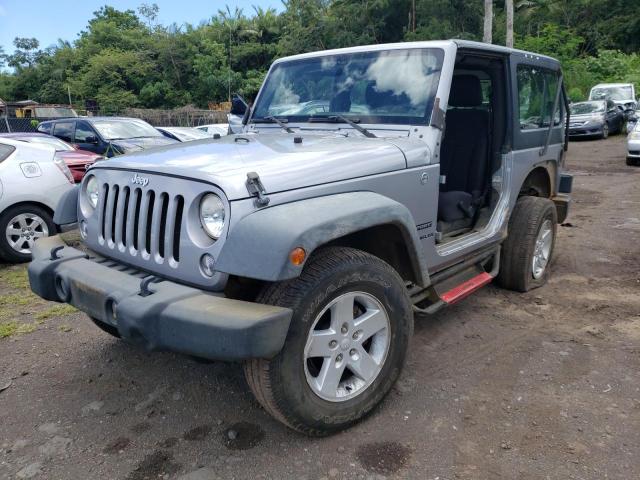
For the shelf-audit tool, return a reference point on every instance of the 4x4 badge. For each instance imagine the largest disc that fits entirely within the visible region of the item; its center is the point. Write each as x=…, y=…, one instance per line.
x=138, y=180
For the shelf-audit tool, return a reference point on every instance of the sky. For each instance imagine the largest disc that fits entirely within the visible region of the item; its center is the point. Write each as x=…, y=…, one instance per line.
x=49, y=20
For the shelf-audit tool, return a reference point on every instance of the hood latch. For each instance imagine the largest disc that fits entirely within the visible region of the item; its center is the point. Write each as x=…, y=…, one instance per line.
x=256, y=189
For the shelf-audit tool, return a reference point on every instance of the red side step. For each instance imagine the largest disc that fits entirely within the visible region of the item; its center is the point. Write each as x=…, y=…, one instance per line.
x=466, y=288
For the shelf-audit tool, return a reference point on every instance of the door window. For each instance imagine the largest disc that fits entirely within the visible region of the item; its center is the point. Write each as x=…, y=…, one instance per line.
x=537, y=89
x=84, y=131
x=64, y=131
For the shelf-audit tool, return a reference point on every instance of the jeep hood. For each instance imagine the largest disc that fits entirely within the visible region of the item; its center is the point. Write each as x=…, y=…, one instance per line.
x=281, y=163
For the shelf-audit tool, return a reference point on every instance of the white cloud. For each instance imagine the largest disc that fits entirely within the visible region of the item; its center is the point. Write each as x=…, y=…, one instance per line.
x=3, y=11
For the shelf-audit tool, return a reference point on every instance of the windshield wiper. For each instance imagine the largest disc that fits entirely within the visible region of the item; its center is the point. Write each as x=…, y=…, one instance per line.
x=340, y=118
x=280, y=122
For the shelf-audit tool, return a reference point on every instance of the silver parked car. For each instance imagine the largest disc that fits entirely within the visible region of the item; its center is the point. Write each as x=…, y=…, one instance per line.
x=32, y=182
x=304, y=245
x=633, y=145
x=596, y=118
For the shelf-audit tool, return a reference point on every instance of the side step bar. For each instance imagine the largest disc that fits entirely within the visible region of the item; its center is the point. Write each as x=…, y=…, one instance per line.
x=466, y=288
x=459, y=284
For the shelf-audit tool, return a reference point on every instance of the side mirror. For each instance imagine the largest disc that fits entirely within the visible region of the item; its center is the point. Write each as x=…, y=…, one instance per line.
x=238, y=105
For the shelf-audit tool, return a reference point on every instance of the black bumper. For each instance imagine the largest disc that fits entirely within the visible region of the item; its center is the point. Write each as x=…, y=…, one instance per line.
x=169, y=316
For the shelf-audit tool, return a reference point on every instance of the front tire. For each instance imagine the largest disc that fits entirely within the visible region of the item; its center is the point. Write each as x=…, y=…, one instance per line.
x=346, y=345
x=527, y=251
x=605, y=131
x=20, y=227
x=105, y=327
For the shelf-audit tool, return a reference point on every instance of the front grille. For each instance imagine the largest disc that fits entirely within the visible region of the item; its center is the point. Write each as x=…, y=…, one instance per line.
x=141, y=222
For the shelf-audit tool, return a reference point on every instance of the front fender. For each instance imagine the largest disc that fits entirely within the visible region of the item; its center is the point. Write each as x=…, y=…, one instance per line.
x=259, y=245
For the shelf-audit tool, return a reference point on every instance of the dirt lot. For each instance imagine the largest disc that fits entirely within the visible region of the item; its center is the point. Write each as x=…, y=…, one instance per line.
x=537, y=386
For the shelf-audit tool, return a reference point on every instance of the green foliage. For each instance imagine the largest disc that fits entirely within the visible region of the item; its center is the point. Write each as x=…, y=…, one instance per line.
x=126, y=59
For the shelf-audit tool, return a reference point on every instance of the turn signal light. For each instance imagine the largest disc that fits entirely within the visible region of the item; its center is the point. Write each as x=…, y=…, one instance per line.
x=297, y=256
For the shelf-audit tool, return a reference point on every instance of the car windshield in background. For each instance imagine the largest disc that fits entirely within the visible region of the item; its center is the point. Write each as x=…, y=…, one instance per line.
x=612, y=93
x=586, y=108
x=391, y=86
x=56, y=143
x=123, y=129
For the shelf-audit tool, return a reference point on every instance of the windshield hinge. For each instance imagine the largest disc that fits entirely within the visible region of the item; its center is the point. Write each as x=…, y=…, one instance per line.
x=437, y=115
x=256, y=189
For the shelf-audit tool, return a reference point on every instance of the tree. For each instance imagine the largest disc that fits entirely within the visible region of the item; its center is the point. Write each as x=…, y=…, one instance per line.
x=509, y=11
x=488, y=21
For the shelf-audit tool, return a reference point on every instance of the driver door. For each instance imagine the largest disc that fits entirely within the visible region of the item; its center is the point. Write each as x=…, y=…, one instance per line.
x=87, y=138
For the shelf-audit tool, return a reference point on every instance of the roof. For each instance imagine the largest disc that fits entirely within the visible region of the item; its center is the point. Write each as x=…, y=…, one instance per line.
x=92, y=119
x=424, y=44
x=600, y=85
x=23, y=134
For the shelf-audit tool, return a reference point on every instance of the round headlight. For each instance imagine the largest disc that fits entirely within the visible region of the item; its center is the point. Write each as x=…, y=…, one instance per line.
x=92, y=191
x=212, y=215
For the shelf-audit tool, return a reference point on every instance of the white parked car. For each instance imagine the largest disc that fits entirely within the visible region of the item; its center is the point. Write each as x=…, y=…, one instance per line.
x=32, y=181
x=183, y=134
x=221, y=129
x=633, y=145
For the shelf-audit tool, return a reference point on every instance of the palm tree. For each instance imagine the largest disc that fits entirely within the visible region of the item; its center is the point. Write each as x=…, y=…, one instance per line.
x=488, y=21
x=509, y=9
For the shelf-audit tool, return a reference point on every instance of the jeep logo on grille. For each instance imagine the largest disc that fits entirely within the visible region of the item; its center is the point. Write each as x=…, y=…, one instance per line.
x=138, y=180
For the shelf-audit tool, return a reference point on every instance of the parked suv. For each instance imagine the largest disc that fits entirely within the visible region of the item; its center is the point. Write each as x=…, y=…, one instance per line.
x=107, y=136
x=304, y=245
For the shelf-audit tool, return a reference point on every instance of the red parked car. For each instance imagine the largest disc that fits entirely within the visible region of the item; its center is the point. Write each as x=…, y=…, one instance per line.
x=77, y=160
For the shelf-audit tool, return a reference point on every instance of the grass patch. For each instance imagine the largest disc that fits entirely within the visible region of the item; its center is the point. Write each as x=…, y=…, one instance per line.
x=15, y=299
x=15, y=277
x=7, y=329
x=55, y=311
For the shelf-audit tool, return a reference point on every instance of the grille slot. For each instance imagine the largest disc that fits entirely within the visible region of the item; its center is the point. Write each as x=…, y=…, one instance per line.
x=141, y=223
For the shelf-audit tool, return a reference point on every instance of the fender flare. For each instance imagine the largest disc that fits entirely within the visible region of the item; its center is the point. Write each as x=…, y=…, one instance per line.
x=258, y=246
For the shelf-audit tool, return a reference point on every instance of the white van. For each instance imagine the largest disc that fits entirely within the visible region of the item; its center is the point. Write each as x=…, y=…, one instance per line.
x=620, y=93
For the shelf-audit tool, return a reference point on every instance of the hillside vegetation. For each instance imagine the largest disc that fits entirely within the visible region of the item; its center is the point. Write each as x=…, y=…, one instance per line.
x=127, y=59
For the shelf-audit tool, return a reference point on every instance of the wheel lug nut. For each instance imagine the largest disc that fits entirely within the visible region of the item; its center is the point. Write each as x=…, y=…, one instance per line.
x=353, y=352
x=356, y=335
x=339, y=358
x=345, y=328
x=333, y=344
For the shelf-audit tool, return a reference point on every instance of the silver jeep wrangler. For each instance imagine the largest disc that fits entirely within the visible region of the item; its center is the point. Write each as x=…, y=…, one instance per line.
x=368, y=184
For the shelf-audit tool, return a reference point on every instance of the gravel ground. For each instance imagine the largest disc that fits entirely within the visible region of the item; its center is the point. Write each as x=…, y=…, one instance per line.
x=543, y=385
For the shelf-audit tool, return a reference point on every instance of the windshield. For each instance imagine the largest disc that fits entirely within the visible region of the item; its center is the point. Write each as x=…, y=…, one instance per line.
x=586, y=108
x=612, y=93
x=123, y=129
x=391, y=86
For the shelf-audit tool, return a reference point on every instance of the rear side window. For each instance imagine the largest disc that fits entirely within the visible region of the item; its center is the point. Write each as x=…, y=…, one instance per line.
x=537, y=89
x=5, y=151
x=45, y=128
x=64, y=131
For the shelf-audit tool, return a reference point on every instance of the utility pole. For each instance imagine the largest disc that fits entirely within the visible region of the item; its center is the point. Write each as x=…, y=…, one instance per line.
x=229, y=83
x=488, y=21
x=413, y=16
x=509, y=9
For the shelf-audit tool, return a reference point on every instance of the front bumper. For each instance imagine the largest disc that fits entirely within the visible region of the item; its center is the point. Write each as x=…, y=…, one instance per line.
x=585, y=131
x=163, y=316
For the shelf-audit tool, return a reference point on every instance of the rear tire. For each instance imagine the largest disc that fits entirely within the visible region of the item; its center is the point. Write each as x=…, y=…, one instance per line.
x=528, y=242
x=291, y=386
